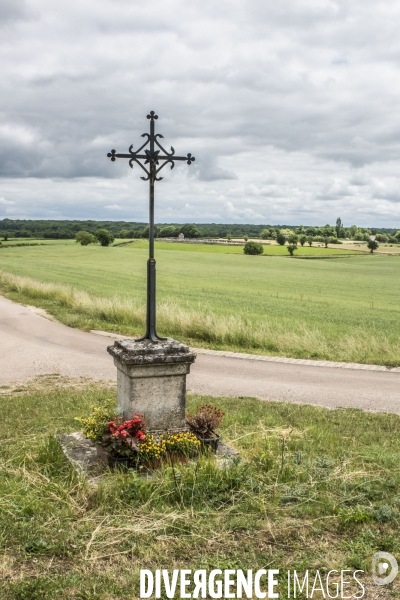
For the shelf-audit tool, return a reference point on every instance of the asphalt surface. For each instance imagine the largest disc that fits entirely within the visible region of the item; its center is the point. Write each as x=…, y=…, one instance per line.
x=32, y=345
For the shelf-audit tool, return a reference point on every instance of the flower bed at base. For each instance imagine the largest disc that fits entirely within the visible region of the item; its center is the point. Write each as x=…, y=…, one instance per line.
x=125, y=443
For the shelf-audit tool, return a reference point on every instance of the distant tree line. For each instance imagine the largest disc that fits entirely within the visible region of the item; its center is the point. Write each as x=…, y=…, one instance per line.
x=63, y=229
x=327, y=234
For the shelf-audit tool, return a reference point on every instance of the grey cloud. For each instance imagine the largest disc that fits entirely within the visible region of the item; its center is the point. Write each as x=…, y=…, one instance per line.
x=307, y=91
x=215, y=173
x=13, y=10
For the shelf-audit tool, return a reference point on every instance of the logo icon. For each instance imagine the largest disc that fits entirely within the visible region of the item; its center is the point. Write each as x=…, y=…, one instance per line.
x=384, y=568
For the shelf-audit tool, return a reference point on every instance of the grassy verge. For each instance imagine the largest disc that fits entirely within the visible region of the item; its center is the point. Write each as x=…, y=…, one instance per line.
x=370, y=337
x=316, y=489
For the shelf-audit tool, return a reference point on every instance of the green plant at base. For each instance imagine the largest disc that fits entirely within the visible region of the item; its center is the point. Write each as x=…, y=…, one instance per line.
x=291, y=248
x=94, y=425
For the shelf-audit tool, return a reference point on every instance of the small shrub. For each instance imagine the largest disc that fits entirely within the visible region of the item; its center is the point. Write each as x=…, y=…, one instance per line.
x=253, y=248
x=206, y=420
x=280, y=238
x=84, y=238
x=291, y=248
x=105, y=237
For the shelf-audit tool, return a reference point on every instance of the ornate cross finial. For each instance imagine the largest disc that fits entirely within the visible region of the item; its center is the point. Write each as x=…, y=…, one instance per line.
x=152, y=156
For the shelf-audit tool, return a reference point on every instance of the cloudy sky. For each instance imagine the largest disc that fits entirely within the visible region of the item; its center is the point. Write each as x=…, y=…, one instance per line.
x=291, y=108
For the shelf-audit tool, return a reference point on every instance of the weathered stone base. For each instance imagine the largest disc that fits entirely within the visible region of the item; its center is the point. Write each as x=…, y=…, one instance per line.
x=151, y=380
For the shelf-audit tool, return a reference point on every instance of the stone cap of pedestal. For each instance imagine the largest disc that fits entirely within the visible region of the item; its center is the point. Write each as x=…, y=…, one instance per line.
x=128, y=352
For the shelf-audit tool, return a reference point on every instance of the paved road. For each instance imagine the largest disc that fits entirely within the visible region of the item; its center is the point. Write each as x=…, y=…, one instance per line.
x=31, y=345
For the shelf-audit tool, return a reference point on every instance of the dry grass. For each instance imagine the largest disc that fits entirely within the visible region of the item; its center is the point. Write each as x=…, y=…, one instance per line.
x=201, y=325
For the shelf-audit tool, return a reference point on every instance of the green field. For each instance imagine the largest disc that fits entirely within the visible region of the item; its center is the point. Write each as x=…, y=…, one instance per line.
x=317, y=489
x=340, y=309
x=269, y=249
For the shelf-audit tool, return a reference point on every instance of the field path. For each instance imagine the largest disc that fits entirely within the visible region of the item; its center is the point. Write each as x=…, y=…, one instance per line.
x=32, y=345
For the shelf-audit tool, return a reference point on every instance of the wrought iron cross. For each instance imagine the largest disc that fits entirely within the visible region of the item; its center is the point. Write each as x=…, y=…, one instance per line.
x=151, y=157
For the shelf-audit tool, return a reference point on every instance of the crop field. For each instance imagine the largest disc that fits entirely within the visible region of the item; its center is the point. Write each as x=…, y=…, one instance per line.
x=339, y=309
x=269, y=249
x=317, y=489
x=28, y=241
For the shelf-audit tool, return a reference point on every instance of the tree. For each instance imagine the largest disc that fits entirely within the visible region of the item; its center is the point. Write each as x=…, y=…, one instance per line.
x=327, y=231
x=190, y=231
x=145, y=232
x=280, y=238
x=253, y=248
x=229, y=237
x=84, y=238
x=372, y=245
x=291, y=248
x=397, y=235
x=126, y=234
x=326, y=241
x=338, y=226
x=293, y=239
x=5, y=236
x=105, y=237
x=303, y=239
x=168, y=231
x=309, y=240
x=381, y=237
x=246, y=237
x=265, y=234
x=352, y=231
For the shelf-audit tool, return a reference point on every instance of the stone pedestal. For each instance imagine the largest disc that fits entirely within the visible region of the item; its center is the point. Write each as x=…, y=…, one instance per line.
x=151, y=380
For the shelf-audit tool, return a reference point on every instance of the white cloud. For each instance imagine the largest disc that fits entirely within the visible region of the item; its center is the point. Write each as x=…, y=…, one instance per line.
x=291, y=108
x=6, y=202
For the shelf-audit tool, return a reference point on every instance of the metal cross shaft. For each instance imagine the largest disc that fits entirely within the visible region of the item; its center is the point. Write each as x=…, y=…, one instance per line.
x=152, y=157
